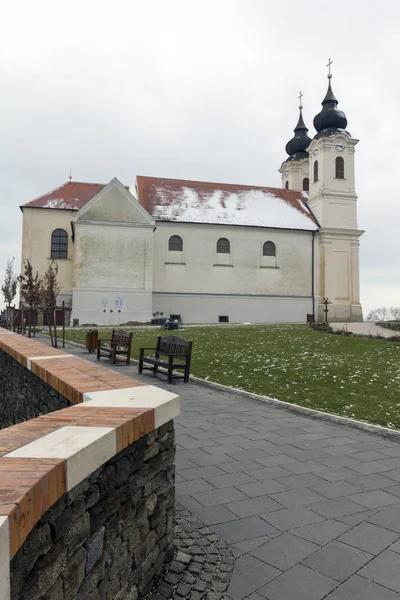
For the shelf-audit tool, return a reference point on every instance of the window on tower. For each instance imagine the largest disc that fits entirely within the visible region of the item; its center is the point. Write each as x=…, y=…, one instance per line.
x=339, y=168
x=59, y=244
x=306, y=184
x=315, y=171
x=287, y=185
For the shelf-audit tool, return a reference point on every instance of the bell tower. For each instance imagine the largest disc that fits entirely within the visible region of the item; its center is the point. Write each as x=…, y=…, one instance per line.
x=295, y=169
x=333, y=201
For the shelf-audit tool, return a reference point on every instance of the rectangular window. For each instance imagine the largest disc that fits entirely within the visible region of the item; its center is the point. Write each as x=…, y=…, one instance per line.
x=223, y=319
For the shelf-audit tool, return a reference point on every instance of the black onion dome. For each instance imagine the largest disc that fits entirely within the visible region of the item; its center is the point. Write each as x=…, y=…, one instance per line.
x=330, y=119
x=297, y=146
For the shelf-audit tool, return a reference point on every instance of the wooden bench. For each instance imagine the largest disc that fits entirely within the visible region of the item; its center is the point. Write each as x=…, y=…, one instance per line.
x=172, y=353
x=119, y=345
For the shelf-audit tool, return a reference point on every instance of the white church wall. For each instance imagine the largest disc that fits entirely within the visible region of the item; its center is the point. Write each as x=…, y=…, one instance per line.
x=113, y=270
x=37, y=227
x=111, y=306
x=202, y=285
x=207, y=308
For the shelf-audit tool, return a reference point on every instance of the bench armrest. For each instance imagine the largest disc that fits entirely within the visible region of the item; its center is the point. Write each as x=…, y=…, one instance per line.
x=141, y=350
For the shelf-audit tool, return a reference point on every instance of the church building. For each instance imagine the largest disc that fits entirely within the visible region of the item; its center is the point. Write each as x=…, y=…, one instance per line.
x=210, y=252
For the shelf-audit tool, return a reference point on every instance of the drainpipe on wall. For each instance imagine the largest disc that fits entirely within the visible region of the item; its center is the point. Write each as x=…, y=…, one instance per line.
x=312, y=273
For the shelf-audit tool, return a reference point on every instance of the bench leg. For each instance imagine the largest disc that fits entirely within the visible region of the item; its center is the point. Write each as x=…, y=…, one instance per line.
x=170, y=368
x=140, y=367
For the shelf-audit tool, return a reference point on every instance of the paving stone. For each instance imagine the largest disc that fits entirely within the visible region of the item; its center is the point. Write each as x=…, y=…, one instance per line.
x=321, y=533
x=276, y=461
x=177, y=567
x=249, y=575
x=336, y=507
x=221, y=496
x=299, y=583
x=370, y=467
x=358, y=588
x=368, y=537
x=269, y=473
x=240, y=465
x=230, y=479
x=243, y=529
x=192, y=487
x=212, y=459
x=249, y=545
x=395, y=547
x=387, y=517
x=336, y=489
x=261, y=488
x=306, y=480
x=291, y=517
x=253, y=506
x=201, y=472
x=385, y=570
x=375, y=499
x=371, y=482
x=337, y=560
x=299, y=497
x=284, y=551
x=183, y=558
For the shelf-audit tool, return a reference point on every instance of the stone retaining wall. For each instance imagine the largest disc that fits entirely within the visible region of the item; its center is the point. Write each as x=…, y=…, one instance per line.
x=87, y=491
x=23, y=395
x=110, y=535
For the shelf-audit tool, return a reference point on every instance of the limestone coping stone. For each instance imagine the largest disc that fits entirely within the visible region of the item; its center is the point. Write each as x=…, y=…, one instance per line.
x=43, y=458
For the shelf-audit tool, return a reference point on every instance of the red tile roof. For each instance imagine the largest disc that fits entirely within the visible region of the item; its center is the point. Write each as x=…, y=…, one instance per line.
x=169, y=199
x=70, y=196
x=202, y=201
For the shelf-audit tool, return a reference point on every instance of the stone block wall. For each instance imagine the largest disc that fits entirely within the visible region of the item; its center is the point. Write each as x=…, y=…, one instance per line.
x=87, y=487
x=23, y=395
x=108, y=536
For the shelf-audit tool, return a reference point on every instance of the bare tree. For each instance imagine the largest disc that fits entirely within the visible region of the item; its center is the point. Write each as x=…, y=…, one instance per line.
x=384, y=314
x=30, y=292
x=394, y=313
x=50, y=289
x=9, y=286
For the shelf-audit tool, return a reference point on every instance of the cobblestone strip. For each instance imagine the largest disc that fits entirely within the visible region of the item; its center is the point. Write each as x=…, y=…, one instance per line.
x=202, y=566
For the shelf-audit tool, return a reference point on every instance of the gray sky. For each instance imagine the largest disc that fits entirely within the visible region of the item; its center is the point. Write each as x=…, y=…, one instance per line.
x=202, y=91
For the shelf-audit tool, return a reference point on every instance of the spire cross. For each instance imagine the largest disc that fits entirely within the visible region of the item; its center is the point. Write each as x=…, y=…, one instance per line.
x=300, y=97
x=330, y=62
x=70, y=174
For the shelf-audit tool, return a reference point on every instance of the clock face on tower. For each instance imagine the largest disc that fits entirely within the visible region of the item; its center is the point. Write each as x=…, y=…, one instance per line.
x=339, y=146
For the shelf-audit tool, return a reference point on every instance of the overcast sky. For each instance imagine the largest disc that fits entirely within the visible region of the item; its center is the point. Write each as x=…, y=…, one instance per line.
x=198, y=90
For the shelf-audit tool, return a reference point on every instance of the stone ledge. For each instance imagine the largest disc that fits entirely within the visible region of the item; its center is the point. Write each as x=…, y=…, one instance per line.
x=45, y=457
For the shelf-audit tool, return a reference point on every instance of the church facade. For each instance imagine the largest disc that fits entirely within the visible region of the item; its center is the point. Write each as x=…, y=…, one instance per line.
x=208, y=252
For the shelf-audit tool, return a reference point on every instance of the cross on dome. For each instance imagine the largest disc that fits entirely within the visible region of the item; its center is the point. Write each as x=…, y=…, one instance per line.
x=330, y=62
x=300, y=97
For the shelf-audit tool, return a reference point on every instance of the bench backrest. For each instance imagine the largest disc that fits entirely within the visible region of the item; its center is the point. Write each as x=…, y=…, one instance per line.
x=121, y=338
x=173, y=344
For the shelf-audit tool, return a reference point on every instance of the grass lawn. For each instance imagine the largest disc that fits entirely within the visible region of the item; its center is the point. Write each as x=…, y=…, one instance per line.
x=349, y=376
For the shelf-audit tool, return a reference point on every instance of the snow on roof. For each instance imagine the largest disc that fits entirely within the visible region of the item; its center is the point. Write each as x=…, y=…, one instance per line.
x=70, y=196
x=225, y=204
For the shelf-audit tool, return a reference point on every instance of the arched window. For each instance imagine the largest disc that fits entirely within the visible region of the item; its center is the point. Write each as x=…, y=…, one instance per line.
x=59, y=244
x=306, y=184
x=339, y=168
x=287, y=185
x=269, y=249
x=315, y=171
x=223, y=246
x=175, y=243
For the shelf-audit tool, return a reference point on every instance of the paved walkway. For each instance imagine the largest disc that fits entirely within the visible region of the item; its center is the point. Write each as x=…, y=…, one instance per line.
x=364, y=329
x=311, y=509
